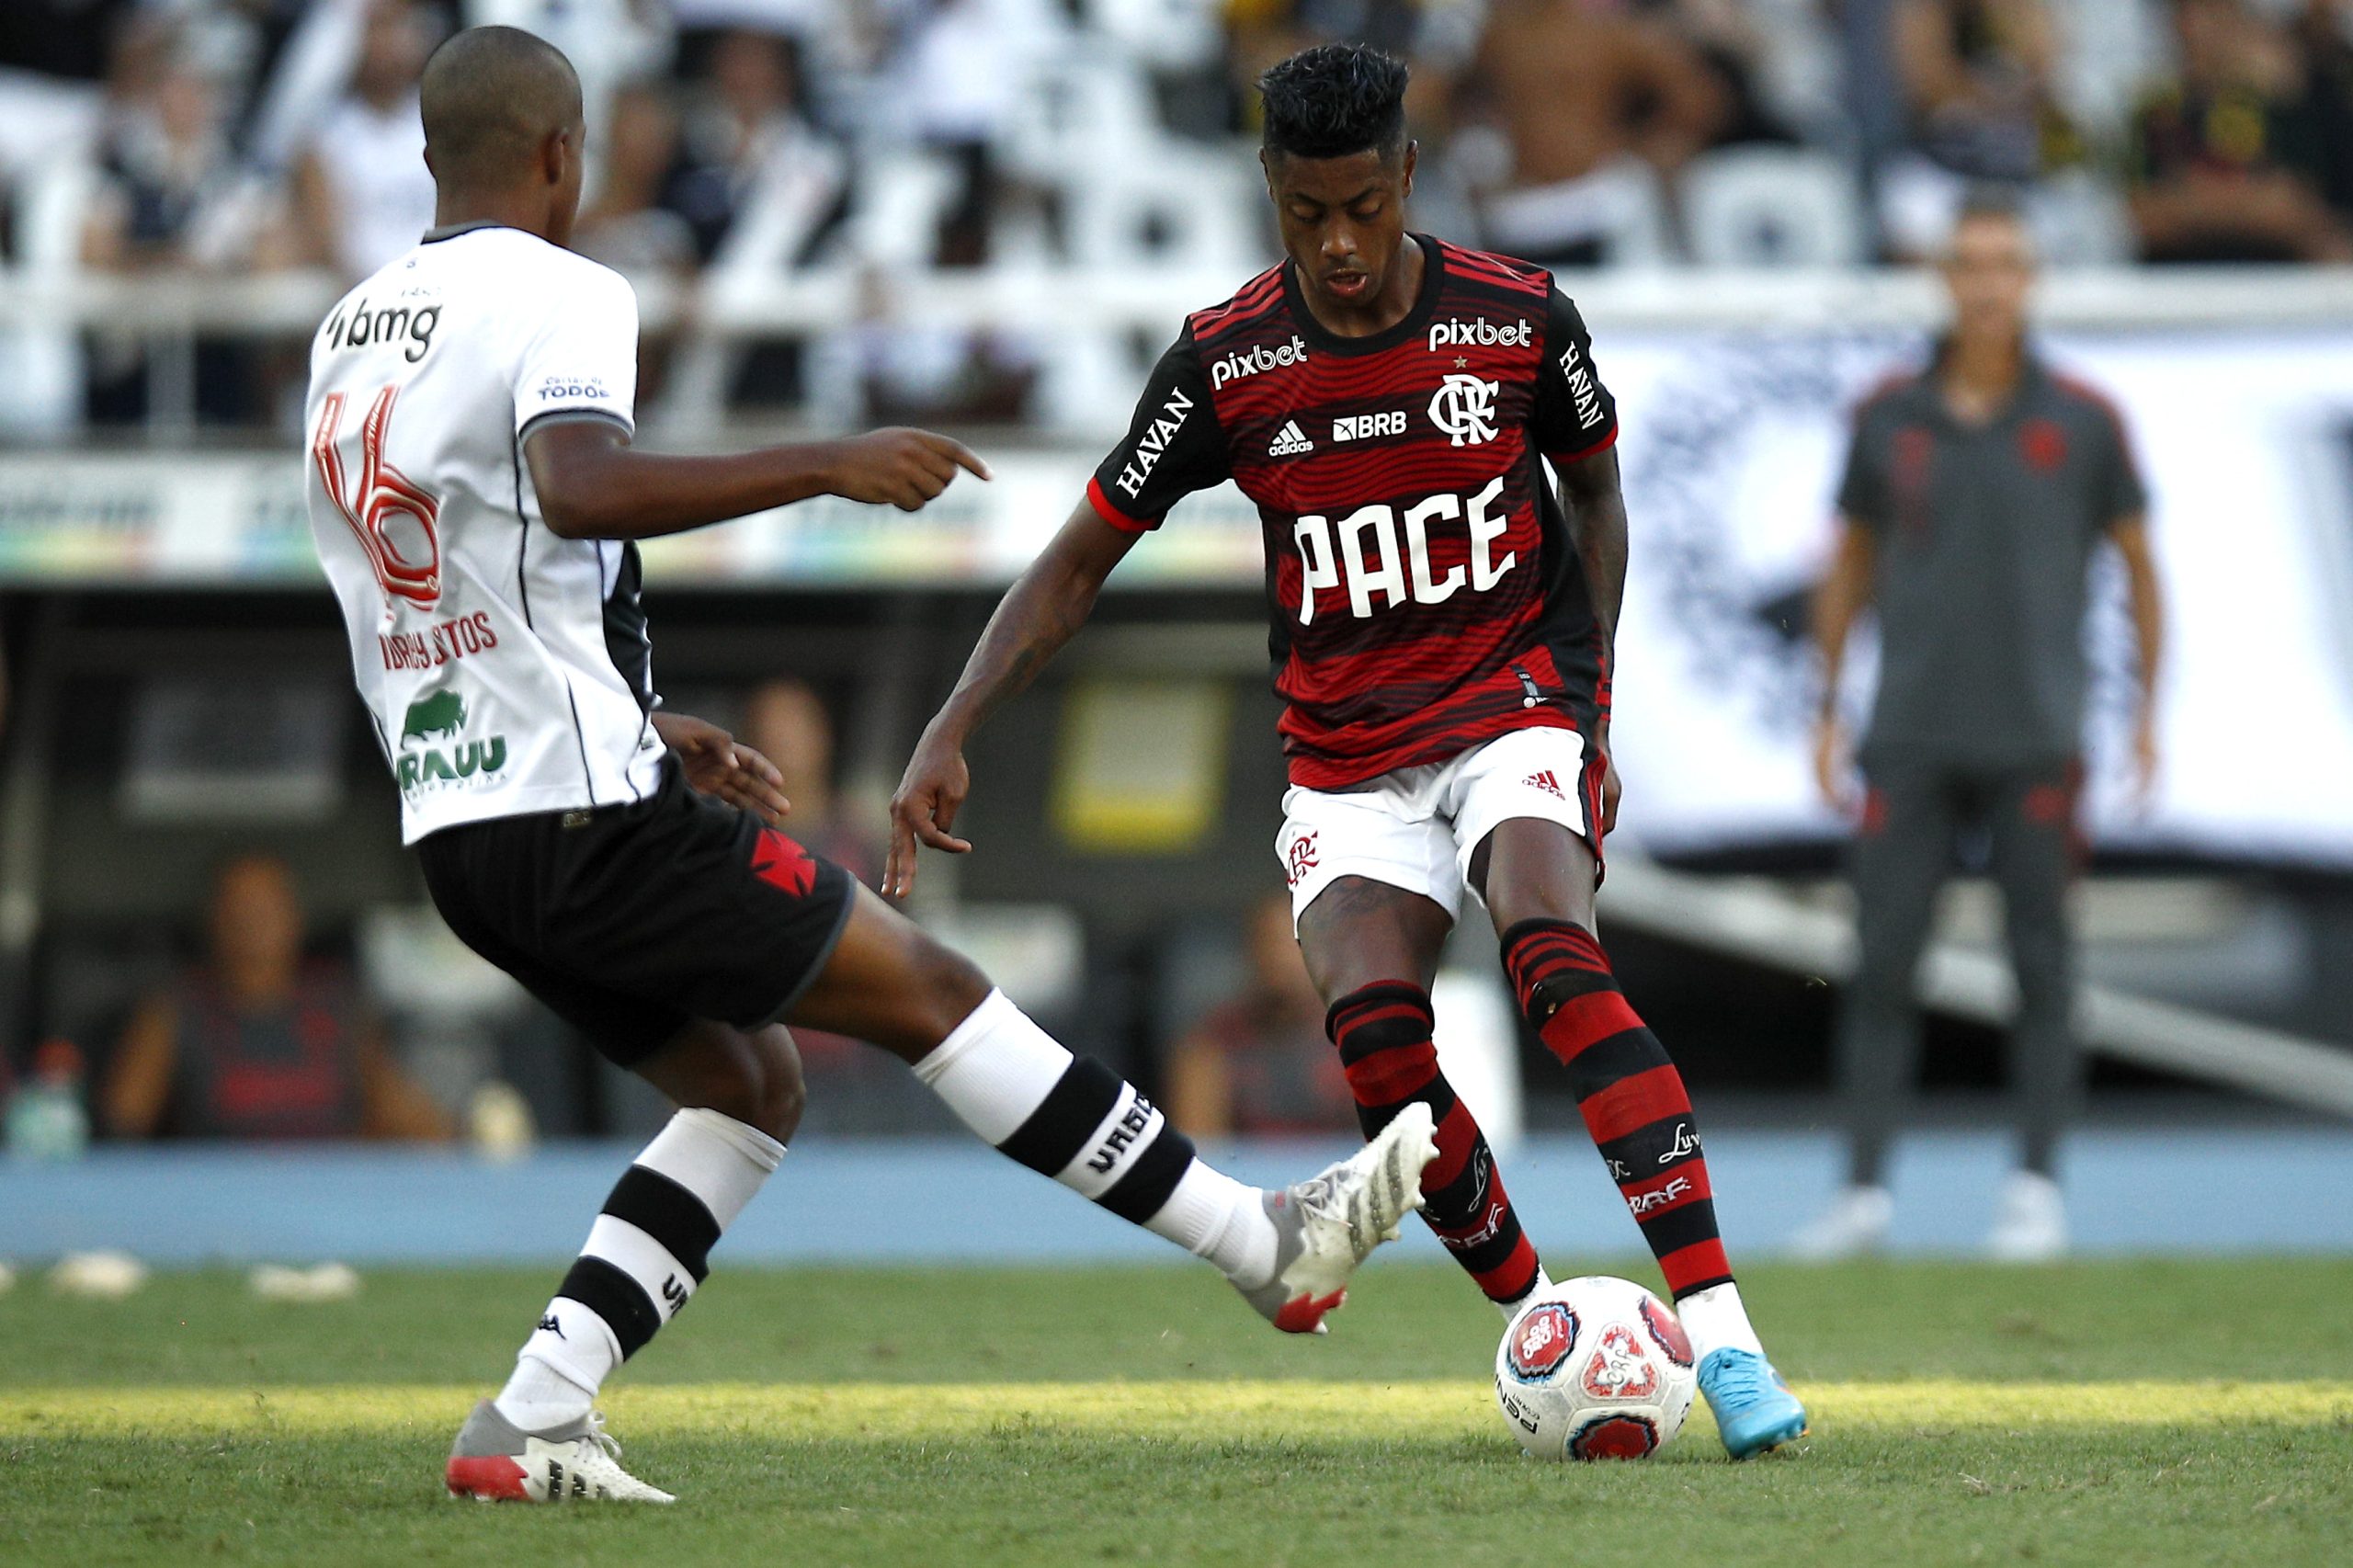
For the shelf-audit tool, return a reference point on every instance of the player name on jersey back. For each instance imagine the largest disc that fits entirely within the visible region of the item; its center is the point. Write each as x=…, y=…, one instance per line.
x=504, y=667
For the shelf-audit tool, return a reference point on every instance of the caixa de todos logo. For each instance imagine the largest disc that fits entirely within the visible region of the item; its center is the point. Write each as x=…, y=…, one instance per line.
x=1541, y=1342
x=433, y=725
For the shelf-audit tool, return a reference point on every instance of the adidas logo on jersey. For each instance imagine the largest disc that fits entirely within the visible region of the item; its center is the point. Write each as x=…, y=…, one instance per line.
x=1364, y=426
x=1249, y=362
x=1290, y=441
x=1479, y=334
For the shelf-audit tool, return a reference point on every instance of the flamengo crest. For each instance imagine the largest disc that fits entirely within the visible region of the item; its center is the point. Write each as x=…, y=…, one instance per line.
x=1464, y=407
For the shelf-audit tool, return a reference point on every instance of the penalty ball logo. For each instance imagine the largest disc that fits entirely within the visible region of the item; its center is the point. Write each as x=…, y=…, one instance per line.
x=1619, y=1368
x=1542, y=1342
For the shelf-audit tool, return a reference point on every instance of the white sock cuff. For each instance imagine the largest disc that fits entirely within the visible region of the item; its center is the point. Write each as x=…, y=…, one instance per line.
x=995, y=1069
x=995, y=1009
x=753, y=1144
x=717, y=1158
x=1714, y=1319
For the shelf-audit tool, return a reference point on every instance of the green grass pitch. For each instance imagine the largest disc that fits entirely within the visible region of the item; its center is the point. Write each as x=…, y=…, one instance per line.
x=2124, y=1412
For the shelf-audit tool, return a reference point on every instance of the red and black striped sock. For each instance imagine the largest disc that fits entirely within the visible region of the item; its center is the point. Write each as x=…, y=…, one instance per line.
x=1631, y=1095
x=1384, y=1033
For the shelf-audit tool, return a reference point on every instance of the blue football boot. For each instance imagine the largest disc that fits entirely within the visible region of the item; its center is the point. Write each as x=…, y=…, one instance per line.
x=1754, y=1409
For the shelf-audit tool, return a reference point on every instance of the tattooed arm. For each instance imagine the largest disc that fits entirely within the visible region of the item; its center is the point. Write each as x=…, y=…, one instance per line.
x=1040, y=612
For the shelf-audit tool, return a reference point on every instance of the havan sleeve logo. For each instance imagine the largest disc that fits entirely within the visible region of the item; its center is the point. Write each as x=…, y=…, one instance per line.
x=1153, y=445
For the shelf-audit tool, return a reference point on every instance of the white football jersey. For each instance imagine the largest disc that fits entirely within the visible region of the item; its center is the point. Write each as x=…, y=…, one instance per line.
x=508, y=670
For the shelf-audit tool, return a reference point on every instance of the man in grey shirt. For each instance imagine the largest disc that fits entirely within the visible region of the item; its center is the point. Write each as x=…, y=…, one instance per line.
x=1974, y=496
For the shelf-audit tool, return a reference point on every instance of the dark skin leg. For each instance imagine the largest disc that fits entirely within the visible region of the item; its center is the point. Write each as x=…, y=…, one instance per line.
x=751, y=1075
x=1532, y=870
x=891, y=984
x=887, y=981
x=1359, y=933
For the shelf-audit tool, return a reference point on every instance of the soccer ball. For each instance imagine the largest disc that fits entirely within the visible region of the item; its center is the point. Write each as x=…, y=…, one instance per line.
x=1595, y=1369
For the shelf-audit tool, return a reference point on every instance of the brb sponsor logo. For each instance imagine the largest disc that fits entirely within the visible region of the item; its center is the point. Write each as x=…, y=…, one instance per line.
x=1365, y=426
x=1480, y=334
x=1464, y=407
x=1542, y=1342
x=1250, y=361
x=1361, y=552
x=1153, y=445
x=432, y=724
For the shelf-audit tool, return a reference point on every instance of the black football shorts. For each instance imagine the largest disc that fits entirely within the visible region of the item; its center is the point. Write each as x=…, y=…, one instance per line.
x=631, y=920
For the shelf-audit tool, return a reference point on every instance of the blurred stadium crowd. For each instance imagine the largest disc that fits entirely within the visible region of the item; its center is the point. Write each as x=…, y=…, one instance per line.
x=742, y=141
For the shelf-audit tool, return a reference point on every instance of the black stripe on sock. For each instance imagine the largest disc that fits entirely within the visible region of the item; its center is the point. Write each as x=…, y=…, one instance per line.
x=612, y=1295
x=1437, y=1093
x=1680, y=1227
x=1372, y=998
x=1493, y=1253
x=1613, y=1059
x=1070, y=1112
x=669, y=1213
x=1144, y=1190
x=1651, y=1148
x=1690, y=1290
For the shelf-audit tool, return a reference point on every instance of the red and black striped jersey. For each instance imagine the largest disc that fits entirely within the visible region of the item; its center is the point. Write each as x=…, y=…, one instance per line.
x=1422, y=588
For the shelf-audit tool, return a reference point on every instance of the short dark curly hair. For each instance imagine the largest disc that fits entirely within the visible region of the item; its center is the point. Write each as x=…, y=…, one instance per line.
x=1334, y=100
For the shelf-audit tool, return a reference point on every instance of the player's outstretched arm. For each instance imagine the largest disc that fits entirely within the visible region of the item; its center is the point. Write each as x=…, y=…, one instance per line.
x=593, y=484
x=1042, y=611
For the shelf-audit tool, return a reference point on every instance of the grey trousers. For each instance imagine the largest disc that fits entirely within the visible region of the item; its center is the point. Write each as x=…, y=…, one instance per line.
x=1914, y=817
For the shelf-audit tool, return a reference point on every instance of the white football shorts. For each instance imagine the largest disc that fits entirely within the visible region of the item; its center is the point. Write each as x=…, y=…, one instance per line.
x=1417, y=828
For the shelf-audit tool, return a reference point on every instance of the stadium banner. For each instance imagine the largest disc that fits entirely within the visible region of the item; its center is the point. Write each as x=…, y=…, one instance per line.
x=1731, y=451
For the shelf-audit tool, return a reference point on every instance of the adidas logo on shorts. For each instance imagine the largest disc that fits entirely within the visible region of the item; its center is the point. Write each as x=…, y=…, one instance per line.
x=1546, y=782
x=1290, y=441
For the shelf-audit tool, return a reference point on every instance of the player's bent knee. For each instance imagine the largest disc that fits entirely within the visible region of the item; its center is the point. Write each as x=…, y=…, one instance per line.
x=783, y=1092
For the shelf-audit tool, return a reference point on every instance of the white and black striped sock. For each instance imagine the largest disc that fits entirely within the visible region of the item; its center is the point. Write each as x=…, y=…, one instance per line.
x=1073, y=1119
x=646, y=1254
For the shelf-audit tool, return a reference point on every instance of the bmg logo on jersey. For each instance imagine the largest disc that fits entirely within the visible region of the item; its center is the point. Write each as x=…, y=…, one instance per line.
x=1480, y=334
x=356, y=325
x=1464, y=407
x=1249, y=362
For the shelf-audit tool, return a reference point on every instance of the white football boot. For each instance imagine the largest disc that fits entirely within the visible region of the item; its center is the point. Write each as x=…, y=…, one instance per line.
x=2030, y=1223
x=1329, y=1223
x=495, y=1462
x=1855, y=1225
